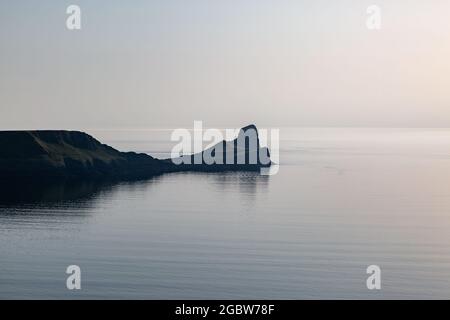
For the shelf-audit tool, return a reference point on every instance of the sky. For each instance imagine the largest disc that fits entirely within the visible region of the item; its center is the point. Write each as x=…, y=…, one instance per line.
x=275, y=63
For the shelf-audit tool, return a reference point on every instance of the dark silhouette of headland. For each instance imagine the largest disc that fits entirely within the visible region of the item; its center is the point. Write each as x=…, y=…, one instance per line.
x=61, y=154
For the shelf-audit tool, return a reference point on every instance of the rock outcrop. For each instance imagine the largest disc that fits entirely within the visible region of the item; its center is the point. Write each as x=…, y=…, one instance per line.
x=77, y=155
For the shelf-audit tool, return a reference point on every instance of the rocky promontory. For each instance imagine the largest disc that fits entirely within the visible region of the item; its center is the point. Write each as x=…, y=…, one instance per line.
x=62, y=154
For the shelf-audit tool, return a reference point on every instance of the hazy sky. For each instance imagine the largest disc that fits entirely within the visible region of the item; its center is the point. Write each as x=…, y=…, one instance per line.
x=167, y=63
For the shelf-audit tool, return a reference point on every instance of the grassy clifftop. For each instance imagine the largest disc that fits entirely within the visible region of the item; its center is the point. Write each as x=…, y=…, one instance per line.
x=70, y=154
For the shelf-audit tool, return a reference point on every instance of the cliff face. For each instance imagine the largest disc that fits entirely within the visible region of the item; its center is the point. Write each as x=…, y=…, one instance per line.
x=243, y=153
x=73, y=154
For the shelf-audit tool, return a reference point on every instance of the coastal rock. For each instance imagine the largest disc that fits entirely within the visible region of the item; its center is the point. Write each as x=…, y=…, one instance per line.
x=77, y=155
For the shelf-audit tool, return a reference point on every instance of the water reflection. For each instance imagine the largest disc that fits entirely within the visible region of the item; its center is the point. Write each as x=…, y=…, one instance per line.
x=66, y=205
x=51, y=193
x=84, y=193
x=249, y=183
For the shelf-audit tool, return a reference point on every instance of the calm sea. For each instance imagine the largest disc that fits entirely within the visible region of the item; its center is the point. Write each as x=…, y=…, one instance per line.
x=342, y=200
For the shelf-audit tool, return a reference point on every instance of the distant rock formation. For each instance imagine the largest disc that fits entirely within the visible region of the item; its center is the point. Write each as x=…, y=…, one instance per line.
x=77, y=155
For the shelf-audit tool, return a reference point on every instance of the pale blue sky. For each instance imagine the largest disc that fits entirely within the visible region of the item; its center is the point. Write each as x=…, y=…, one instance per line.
x=139, y=64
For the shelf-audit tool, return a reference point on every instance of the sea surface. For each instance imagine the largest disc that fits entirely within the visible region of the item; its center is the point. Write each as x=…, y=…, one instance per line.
x=343, y=199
